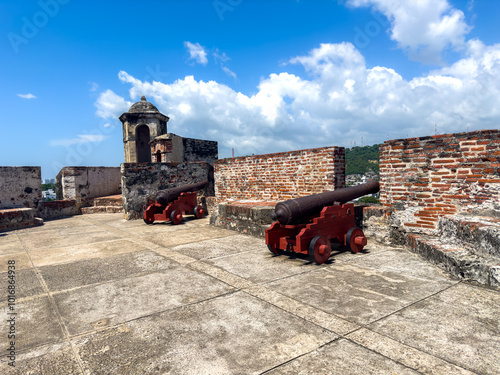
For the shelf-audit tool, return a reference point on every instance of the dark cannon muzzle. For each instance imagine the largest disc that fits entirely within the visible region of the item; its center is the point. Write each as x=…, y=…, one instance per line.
x=294, y=211
x=166, y=196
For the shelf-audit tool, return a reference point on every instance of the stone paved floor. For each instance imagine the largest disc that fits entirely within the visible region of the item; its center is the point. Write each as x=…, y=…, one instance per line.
x=99, y=295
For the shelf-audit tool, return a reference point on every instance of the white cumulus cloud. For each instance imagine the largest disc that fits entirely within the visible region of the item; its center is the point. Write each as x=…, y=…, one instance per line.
x=228, y=71
x=196, y=52
x=108, y=104
x=423, y=28
x=337, y=100
x=27, y=96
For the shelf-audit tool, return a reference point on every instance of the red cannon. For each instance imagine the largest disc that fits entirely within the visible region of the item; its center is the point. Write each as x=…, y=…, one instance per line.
x=306, y=225
x=172, y=204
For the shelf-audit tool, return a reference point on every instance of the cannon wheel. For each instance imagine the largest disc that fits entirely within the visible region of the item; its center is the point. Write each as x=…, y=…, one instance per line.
x=199, y=212
x=355, y=239
x=176, y=217
x=272, y=250
x=319, y=249
x=148, y=221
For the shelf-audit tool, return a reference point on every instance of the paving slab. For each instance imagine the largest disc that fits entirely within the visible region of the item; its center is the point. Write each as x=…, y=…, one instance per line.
x=8, y=236
x=27, y=283
x=262, y=266
x=404, y=262
x=96, y=270
x=114, y=218
x=233, y=334
x=355, y=293
x=342, y=254
x=460, y=325
x=21, y=260
x=80, y=252
x=36, y=323
x=103, y=305
x=52, y=239
x=10, y=245
x=340, y=358
x=140, y=228
x=221, y=246
x=50, y=359
x=186, y=235
x=306, y=312
x=422, y=362
x=68, y=222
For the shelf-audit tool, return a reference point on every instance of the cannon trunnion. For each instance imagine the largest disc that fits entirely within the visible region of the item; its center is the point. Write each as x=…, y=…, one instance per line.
x=172, y=204
x=308, y=225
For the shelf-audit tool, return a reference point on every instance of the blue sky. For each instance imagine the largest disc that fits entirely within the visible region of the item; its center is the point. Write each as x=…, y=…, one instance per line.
x=256, y=76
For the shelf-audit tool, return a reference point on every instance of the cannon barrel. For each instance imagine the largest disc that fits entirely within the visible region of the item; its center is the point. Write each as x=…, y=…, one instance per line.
x=166, y=196
x=300, y=209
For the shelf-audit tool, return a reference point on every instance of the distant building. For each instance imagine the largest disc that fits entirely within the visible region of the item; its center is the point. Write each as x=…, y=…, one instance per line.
x=48, y=194
x=49, y=181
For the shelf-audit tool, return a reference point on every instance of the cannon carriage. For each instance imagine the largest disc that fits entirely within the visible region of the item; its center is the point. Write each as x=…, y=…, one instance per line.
x=172, y=204
x=307, y=225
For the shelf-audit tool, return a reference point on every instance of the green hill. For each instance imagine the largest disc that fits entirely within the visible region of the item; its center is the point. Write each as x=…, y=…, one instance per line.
x=359, y=160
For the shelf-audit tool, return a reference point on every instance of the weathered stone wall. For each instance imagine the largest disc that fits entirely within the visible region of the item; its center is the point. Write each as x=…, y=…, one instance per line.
x=176, y=149
x=280, y=176
x=82, y=183
x=141, y=181
x=425, y=178
x=200, y=150
x=20, y=187
x=18, y=218
x=58, y=209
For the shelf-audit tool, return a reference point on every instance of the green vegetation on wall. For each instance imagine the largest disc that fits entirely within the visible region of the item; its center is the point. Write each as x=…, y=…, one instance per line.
x=359, y=160
x=48, y=186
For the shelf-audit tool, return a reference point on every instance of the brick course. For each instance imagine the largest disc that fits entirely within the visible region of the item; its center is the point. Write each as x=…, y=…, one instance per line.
x=280, y=176
x=425, y=178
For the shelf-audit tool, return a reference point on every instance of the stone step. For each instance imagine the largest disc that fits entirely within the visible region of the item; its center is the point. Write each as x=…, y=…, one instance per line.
x=111, y=200
x=460, y=260
x=101, y=209
x=18, y=218
x=482, y=233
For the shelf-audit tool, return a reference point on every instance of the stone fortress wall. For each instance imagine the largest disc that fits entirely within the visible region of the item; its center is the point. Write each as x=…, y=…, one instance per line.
x=141, y=182
x=280, y=176
x=81, y=183
x=424, y=179
x=20, y=187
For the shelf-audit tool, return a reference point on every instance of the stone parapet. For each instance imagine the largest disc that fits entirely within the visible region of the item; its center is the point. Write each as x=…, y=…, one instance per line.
x=141, y=182
x=251, y=218
x=20, y=187
x=81, y=183
x=280, y=176
x=423, y=179
x=18, y=218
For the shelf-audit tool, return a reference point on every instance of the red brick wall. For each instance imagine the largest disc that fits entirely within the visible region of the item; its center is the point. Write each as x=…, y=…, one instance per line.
x=424, y=178
x=280, y=176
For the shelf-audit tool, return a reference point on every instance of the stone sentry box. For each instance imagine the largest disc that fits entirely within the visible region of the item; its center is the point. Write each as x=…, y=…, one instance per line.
x=145, y=139
x=142, y=123
x=141, y=181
